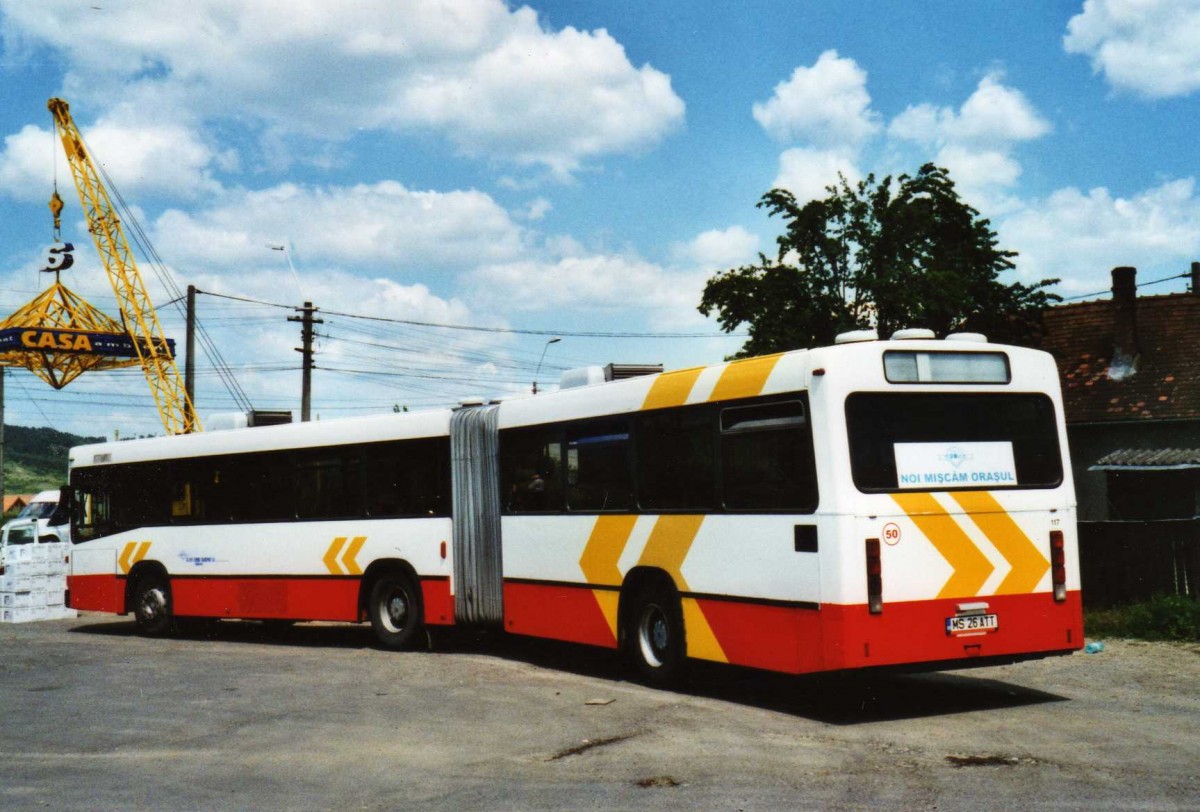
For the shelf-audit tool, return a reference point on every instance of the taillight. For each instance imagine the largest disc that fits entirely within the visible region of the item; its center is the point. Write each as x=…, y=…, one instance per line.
x=1058, y=565
x=874, y=578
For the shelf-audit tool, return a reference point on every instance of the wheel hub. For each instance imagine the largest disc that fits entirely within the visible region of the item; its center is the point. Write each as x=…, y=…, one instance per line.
x=397, y=610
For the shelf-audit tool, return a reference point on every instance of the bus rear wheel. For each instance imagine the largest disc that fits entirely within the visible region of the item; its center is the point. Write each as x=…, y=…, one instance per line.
x=152, y=604
x=394, y=606
x=654, y=638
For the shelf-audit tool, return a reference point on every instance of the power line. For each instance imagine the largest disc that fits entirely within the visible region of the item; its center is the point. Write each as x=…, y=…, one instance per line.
x=1139, y=285
x=480, y=329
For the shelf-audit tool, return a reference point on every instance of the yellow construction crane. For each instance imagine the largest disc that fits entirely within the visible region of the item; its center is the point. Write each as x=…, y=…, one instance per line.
x=137, y=311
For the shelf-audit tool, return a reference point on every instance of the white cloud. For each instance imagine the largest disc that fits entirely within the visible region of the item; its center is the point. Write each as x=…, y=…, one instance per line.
x=594, y=284
x=976, y=141
x=826, y=104
x=994, y=115
x=1150, y=47
x=490, y=79
x=718, y=249
x=807, y=172
x=376, y=228
x=144, y=159
x=1080, y=236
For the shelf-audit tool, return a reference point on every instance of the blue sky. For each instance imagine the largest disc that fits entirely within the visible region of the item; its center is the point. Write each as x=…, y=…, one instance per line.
x=558, y=169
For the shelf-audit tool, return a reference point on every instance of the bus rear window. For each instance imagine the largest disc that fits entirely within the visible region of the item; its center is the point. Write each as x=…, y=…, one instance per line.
x=906, y=366
x=901, y=441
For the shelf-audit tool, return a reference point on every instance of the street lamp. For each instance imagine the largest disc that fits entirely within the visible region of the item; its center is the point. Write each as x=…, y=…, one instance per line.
x=543, y=358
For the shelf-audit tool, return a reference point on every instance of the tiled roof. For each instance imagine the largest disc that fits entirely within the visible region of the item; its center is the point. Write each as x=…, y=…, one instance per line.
x=16, y=501
x=1149, y=458
x=1166, y=383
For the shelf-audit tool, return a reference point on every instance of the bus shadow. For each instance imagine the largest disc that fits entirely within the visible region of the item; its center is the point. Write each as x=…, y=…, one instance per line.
x=839, y=699
x=306, y=635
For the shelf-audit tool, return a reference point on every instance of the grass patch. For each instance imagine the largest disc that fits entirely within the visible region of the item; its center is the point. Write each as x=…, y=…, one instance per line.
x=1166, y=617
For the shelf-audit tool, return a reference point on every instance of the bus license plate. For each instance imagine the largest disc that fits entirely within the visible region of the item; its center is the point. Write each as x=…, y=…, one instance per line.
x=966, y=624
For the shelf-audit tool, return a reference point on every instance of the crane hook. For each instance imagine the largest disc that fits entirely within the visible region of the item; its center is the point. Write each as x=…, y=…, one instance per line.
x=56, y=207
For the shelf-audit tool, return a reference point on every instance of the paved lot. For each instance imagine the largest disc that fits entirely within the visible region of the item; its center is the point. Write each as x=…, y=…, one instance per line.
x=94, y=717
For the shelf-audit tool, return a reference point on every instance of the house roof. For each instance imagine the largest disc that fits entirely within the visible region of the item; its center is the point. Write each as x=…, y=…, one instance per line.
x=1165, y=382
x=1148, y=459
x=16, y=501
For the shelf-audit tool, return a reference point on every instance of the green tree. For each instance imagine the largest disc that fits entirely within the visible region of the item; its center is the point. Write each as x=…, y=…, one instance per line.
x=889, y=255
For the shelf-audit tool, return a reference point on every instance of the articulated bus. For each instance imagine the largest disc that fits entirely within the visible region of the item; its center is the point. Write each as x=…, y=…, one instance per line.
x=898, y=503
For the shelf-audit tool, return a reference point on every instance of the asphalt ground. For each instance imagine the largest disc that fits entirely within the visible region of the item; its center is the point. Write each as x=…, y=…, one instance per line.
x=94, y=717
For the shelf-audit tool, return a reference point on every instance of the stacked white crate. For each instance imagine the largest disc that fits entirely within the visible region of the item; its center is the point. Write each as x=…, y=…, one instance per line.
x=34, y=582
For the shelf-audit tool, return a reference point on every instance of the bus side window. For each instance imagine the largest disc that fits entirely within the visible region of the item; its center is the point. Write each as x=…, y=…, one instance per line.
x=767, y=460
x=322, y=485
x=676, y=459
x=407, y=478
x=90, y=514
x=140, y=495
x=531, y=469
x=598, y=466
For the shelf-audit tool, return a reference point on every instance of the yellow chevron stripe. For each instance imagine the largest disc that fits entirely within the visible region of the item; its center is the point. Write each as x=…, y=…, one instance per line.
x=348, y=557
x=608, y=600
x=744, y=379
x=667, y=547
x=331, y=556
x=1028, y=563
x=604, y=546
x=142, y=549
x=971, y=567
x=671, y=389
x=702, y=643
x=124, y=562
x=669, y=543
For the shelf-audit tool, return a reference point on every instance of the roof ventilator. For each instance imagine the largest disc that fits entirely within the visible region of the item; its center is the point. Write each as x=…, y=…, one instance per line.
x=855, y=336
x=913, y=334
x=588, y=376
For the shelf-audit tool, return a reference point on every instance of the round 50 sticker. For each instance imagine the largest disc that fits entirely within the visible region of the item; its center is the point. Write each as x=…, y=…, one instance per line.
x=891, y=534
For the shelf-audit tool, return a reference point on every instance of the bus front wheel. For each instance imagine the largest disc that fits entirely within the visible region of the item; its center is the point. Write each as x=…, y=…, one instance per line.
x=152, y=604
x=395, y=610
x=655, y=636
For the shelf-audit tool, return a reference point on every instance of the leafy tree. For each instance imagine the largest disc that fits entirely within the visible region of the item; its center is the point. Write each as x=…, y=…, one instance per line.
x=889, y=255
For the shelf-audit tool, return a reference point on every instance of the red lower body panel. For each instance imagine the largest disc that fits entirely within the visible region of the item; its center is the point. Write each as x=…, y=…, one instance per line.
x=915, y=632
x=802, y=639
x=263, y=598
x=267, y=598
x=97, y=593
x=557, y=612
x=776, y=638
x=438, y=602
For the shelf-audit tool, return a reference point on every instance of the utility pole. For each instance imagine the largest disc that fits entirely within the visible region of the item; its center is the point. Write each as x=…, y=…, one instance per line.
x=306, y=336
x=189, y=368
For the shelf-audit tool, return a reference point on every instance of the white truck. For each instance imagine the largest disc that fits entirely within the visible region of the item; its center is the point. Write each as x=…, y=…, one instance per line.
x=43, y=520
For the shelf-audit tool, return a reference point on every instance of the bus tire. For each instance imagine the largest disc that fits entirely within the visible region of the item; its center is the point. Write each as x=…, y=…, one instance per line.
x=655, y=637
x=394, y=607
x=152, y=604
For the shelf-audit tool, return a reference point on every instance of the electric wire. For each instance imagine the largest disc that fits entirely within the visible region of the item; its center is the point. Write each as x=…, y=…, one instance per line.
x=167, y=280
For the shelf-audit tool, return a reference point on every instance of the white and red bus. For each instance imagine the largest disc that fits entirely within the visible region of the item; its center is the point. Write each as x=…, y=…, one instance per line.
x=874, y=503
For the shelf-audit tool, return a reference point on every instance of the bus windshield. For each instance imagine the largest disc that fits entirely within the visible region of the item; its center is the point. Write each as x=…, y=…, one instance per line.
x=935, y=441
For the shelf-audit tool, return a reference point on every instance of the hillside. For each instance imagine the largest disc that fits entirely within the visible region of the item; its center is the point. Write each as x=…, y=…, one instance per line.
x=35, y=459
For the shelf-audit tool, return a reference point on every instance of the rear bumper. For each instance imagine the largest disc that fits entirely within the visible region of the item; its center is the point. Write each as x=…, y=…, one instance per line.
x=914, y=633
